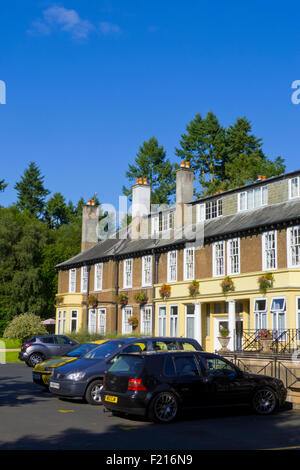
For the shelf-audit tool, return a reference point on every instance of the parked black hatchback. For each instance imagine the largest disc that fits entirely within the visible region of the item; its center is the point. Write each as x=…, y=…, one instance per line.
x=159, y=384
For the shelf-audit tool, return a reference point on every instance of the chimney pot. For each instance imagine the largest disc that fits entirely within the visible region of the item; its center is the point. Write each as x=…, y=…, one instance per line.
x=187, y=164
x=182, y=164
x=145, y=180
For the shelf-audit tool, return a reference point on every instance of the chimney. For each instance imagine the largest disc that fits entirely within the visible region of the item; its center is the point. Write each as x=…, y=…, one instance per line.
x=184, y=194
x=141, y=195
x=90, y=219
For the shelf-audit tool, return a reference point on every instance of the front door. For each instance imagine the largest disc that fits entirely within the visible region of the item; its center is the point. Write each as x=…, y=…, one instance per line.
x=221, y=322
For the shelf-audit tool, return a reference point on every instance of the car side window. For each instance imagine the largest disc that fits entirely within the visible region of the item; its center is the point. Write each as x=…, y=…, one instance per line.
x=169, y=368
x=62, y=340
x=186, y=367
x=164, y=345
x=48, y=340
x=132, y=348
x=187, y=346
x=216, y=366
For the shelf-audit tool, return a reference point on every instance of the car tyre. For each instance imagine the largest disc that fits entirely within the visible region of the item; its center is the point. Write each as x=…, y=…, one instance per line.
x=163, y=408
x=264, y=401
x=92, y=394
x=34, y=359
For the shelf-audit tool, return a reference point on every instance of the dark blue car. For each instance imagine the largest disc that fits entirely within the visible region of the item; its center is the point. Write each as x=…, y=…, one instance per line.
x=84, y=377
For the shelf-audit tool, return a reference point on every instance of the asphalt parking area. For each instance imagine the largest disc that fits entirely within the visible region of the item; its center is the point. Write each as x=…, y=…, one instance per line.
x=32, y=418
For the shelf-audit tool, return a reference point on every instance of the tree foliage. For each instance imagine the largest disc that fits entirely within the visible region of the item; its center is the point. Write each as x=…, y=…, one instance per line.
x=224, y=158
x=31, y=191
x=25, y=326
x=151, y=163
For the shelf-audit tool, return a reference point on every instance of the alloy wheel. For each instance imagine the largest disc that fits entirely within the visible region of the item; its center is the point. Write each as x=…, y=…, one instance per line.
x=95, y=393
x=264, y=401
x=165, y=407
x=35, y=359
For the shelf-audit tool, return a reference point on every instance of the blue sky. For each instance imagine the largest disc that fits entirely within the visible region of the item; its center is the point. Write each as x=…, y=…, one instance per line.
x=88, y=82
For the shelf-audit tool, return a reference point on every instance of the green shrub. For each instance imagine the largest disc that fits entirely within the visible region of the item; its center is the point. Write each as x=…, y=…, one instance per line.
x=24, y=326
x=83, y=336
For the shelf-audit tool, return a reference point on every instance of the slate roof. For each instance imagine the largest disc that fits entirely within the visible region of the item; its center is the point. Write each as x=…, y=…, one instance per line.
x=231, y=225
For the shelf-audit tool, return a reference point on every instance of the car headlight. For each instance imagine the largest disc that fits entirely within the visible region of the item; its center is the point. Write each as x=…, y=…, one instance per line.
x=75, y=376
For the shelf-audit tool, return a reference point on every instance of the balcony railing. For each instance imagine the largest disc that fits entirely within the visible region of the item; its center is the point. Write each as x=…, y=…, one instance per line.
x=283, y=341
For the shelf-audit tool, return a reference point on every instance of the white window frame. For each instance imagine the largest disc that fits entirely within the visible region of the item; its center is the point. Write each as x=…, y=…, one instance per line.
x=276, y=316
x=263, y=197
x=290, y=187
x=187, y=316
x=147, y=271
x=289, y=247
x=187, y=277
x=162, y=320
x=84, y=279
x=218, y=209
x=101, y=313
x=98, y=277
x=200, y=213
x=92, y=313
x=154, y=224
x=173, y=321
x=126, y=263
x=146, y=310
x=229, y=257
x=59, y=318
x=174, y=266
x=265, y=266
x=298, y=316
x=260, y=315
x=126, y=326
x=72, y=280
x=215, y=273
x=64, y=321
x=73, y=318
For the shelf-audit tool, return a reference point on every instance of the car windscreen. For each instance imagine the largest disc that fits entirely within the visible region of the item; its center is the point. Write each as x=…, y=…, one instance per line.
x=82, y=350
x=104, y=350
x=127, y=365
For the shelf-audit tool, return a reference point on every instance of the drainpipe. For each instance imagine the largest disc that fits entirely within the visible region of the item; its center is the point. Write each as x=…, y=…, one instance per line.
x=88, y=268
x=154, y=281
x=117, y=292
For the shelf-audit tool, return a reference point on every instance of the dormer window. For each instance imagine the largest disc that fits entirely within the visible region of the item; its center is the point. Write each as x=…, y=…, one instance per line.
x=162, y=222
x=209, y=210
x=253, y=198
x=294, y=187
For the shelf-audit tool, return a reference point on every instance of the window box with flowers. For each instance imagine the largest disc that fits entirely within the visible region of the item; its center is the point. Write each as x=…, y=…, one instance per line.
x=165, y=291
x=59, y=300
x=122, y=299
x=93, y=301
x=266, y=339
x=227, y=285
x=194, y=288
x=141, y=298
x=265, y=282
x=133, y=322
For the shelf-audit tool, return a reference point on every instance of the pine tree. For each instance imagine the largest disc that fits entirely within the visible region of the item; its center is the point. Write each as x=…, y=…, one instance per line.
x=151, y=163
x=203, y=145
x=2, y=185
x=31, y=191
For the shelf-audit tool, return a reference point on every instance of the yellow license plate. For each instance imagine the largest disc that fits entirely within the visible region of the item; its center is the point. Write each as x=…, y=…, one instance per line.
x=111, y=399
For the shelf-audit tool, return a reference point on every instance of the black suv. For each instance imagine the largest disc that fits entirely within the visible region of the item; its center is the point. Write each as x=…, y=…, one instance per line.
x=157, y=385
x=42, y=347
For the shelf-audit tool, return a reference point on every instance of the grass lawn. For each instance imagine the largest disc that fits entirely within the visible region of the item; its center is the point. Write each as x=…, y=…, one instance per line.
x=10, y=343
x=12, y=357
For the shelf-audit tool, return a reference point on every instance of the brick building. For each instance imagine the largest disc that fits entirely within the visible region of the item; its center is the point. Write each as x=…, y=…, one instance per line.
x=242, y=234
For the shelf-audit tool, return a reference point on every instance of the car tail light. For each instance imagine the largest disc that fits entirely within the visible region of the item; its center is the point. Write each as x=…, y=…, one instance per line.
x=136, y=385
x=104, y=383
x=28, y=344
